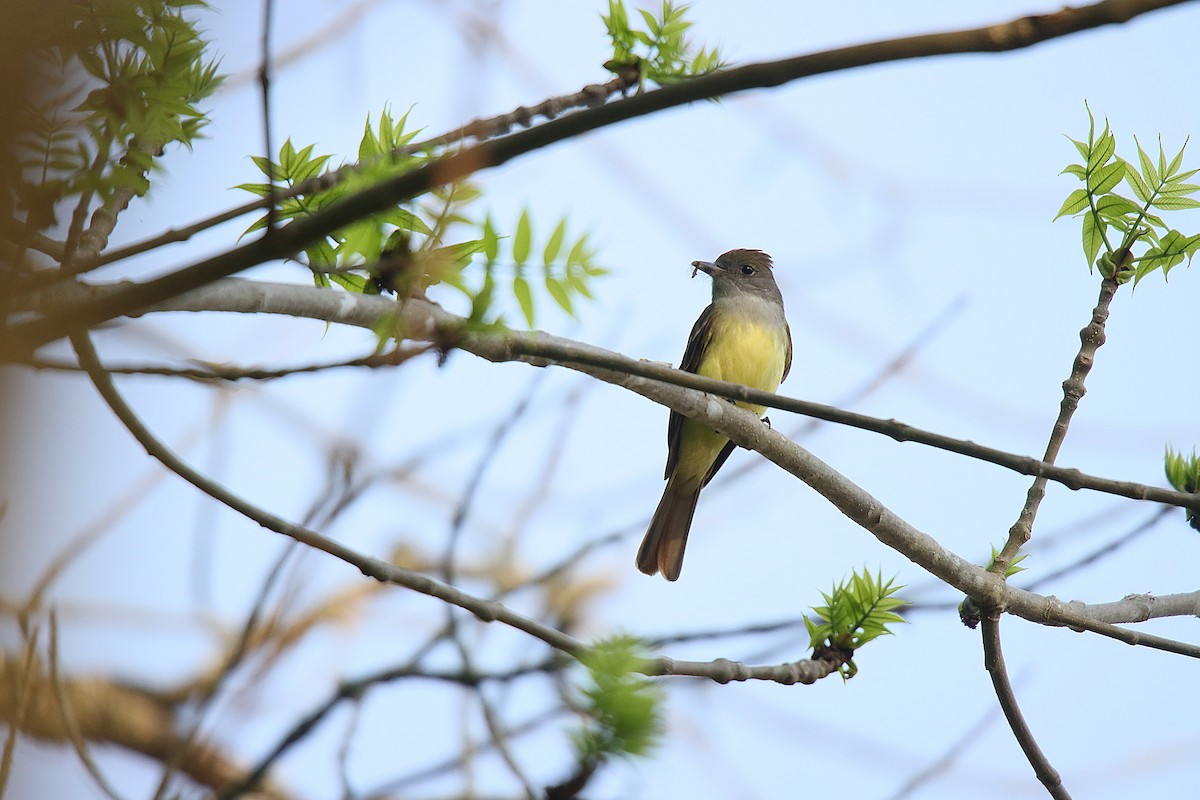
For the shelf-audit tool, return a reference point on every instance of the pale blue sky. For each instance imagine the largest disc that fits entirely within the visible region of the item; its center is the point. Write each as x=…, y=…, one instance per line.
x=890, y=196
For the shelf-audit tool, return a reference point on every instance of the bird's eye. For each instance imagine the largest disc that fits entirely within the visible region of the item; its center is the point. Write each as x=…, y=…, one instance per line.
x=747, y=269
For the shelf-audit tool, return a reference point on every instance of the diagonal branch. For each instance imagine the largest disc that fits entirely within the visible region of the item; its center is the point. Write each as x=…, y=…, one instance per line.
x=424, y=321
x=1091, y=338
x=590, y=96
x=25, y=337
x=993, y=661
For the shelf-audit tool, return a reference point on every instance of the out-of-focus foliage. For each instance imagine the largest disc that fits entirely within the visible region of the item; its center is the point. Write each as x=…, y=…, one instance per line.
x=131, y=75
x=661, y=52
x=1183, y=473
x=625, y=708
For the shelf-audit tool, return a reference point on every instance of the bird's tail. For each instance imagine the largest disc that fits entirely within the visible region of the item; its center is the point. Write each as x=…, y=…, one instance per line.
x=662, y=548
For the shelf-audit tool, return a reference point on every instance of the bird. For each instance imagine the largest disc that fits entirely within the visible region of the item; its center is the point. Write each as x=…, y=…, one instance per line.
x=742, y=337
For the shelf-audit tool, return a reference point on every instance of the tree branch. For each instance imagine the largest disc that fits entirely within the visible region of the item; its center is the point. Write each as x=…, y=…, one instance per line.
x=424, y=321
x=590, y=96
x=105, y=711
x=23, y=338
x=993, y=661
x=1091, y=338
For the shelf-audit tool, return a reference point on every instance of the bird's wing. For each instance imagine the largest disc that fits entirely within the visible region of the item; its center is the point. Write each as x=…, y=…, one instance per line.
x=787, y=361
x=697, y=344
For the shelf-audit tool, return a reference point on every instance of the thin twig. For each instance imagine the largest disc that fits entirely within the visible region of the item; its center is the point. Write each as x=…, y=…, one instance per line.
x=355, y=690
x=1103, y=551
x=498, y=737
x=457, y=522
x=264, y=81
x=1091, y=338
x=993, y=661
x=371, y=567
x=208, y=372
x=23, y=691
x=928, y=772
x=499, y=433
x=78, y=742
x=454, y=763
x=343, y=752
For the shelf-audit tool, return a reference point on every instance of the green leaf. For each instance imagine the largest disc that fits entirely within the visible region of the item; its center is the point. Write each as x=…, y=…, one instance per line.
x=356, y=284
x=491, y=241
x=1180, y=188
x=1177, y=161
x=1093, y=236
x=1076, y=201
x=1113, y=206
x=579, y=253
x=260, y=189
x=309, y=168
x=1103, y=150
x=625, y=709
x=557, y=291
x=364, y=237
x=1105, y=178
x=522, y=239
x=459, y=255
x=1084, y=150
x=1013, y=566
x=320, y=255
x=369, y=146
x=555, y=243
x=406, y=220
x=1183, y=472
x=524, y=297
x=855, y=612
x=264, y=165
x=1074, y=169
x=1183, y=176
x=1175, y=203
x=1149, y=173
x=651, y=23
x=1139, y=187
x=481, y=303
x=580, y=286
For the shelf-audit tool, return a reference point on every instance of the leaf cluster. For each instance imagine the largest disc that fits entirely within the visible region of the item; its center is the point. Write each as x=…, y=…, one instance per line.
x=855, y=612
x=661, y=51
x=1157, y=184
x=432, y=239
x=565, y=267
x=131, y=75
x=624, y=707
x=351, y=256
x=1183, y=473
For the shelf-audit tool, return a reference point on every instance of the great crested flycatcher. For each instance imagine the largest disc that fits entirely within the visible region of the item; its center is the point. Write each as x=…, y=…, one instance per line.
x=742, y=337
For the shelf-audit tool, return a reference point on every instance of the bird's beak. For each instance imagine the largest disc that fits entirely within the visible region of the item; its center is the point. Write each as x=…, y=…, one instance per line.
x=707, y=266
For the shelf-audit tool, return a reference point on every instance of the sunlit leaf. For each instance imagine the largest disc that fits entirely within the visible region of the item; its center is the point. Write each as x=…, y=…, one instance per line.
x=555, y=242
x=522, y=239
x=524, y=296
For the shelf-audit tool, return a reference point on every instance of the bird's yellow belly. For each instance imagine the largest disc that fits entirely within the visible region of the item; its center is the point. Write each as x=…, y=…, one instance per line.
x=747, y=353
